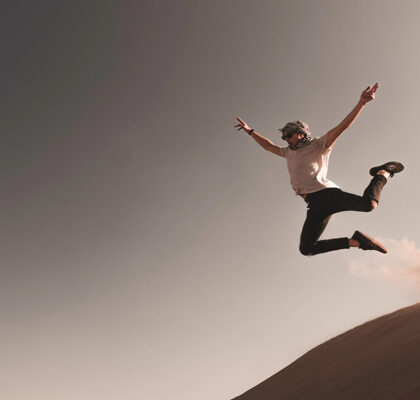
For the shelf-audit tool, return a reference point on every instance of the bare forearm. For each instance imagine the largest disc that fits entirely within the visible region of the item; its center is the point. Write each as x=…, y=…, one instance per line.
x=334, y=133
x=261, y=140
x=351, y=117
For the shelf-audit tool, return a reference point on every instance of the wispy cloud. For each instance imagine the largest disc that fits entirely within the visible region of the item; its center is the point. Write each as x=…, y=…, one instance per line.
x=401, y=264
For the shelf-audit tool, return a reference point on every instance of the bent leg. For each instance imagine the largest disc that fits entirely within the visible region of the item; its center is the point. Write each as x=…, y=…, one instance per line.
x=374, y=189
x=350, y=202
x=312, y=230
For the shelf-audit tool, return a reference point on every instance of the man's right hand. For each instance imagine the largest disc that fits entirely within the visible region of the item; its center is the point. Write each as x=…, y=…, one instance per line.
x=242, y=125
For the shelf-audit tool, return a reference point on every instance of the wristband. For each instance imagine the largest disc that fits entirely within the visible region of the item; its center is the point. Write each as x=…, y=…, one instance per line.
x=250, y=132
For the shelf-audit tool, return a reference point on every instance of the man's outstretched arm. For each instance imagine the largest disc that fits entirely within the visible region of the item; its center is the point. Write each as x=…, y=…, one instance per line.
x=367, y=95
x=261, y=140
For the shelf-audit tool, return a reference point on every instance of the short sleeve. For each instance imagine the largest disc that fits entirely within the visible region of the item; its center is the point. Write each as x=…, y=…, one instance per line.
x=323, y=142
x=282, y=151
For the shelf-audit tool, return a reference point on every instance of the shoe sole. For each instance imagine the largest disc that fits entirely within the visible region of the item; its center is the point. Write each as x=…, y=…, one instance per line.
x=398, y=168
x=377, y=245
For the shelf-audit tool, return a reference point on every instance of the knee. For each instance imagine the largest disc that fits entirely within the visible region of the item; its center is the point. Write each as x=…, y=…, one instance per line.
x=305, y=250
x=369, y=205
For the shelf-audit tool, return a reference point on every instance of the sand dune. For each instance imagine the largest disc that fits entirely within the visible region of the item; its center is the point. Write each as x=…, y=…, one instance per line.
x=378, y=360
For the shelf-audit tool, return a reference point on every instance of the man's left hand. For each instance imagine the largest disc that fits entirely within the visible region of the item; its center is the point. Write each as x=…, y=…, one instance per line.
x=369, y=93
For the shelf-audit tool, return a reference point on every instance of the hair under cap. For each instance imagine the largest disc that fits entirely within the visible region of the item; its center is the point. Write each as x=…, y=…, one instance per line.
x=295, y=127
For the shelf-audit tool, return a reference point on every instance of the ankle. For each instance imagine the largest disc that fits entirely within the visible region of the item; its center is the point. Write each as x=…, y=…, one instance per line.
x=353, y=243
x=384, y=173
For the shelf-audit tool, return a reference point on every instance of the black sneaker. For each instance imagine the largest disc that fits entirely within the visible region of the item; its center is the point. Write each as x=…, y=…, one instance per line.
x=393, y=167
x=367, y=243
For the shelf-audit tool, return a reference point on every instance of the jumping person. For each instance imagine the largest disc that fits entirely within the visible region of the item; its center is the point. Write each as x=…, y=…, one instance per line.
x=307, y=162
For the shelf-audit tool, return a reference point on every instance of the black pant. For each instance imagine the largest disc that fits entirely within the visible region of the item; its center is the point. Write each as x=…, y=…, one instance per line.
x=321, y=206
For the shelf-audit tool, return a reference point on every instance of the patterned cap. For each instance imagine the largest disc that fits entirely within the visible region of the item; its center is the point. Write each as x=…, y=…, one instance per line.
x=295, y=127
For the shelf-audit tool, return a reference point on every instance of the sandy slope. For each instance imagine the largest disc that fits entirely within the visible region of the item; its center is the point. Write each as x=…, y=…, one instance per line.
x=378, y=360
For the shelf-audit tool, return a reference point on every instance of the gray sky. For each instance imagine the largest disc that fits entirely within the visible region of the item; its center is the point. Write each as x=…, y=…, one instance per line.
x=151, y=252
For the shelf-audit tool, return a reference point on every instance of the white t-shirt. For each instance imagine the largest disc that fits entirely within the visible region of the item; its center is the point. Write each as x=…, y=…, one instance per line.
x=308, y=166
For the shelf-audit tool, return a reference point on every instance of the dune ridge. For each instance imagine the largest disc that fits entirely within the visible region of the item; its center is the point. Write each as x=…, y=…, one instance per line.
x=378, y=360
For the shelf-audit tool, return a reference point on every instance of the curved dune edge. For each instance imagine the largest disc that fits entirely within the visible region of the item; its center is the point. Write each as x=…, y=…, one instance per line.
x=377, y=360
